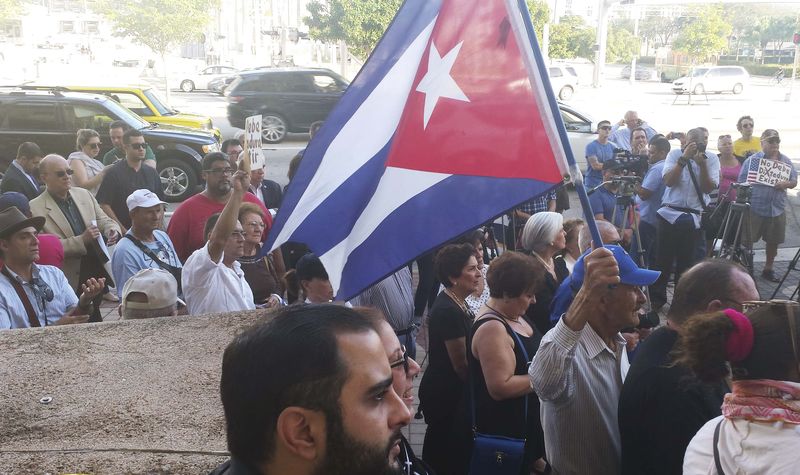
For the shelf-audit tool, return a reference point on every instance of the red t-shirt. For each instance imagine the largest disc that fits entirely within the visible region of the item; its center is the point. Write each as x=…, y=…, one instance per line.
x=186, y=225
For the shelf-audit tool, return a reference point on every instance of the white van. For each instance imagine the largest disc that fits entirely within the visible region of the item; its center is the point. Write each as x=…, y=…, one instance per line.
x=715, y=79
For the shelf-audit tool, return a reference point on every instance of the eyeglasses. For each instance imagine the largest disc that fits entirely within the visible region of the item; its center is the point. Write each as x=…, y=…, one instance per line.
x=403, y=361
x=63, y=173
x=605, y=127
x=237, y=234
x=256, y=224
x=747, y=126
x=724, y=137
x=94, y=145
x=138, y=145
x=773, y=140
x=220, y=171
x=234, y=153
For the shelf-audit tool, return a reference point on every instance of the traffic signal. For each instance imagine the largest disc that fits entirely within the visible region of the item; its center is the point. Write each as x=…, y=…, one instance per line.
x=796, y=38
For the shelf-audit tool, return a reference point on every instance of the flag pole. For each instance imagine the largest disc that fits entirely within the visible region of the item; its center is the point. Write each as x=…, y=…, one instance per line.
x=541, y=68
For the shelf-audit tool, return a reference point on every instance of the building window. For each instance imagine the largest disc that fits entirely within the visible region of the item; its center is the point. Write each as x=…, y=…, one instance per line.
x=91, y=27
x=66, y=27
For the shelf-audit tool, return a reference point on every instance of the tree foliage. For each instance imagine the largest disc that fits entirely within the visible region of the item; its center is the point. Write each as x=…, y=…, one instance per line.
x=571, y=38
x=540, y=15
x=704, y=34
x=660, y=29
x=160, y=25
x=622, y=45
x=360, y=23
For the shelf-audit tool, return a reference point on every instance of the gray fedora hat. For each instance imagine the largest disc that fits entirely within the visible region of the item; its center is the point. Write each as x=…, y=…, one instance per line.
x=12, y=220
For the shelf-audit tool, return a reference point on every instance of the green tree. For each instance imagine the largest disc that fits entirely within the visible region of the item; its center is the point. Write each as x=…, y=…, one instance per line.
x=779, y=30
x=571, y=38
x=540, y=15
x=621, y=45
x=359, y=23
x=704, y=34
x=160, y=25
x=660, y=29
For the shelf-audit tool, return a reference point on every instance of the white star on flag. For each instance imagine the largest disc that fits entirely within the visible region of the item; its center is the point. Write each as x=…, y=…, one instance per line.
x=438, y=82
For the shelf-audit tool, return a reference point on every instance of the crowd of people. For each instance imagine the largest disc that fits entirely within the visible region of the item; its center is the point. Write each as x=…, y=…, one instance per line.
x=538, y=356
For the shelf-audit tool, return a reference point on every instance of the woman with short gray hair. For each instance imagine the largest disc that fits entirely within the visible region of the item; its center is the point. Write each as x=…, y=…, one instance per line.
x=88, y=172
x=543, y=237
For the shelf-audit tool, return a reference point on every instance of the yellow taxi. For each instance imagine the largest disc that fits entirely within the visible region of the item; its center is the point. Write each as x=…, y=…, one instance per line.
x=146, y=102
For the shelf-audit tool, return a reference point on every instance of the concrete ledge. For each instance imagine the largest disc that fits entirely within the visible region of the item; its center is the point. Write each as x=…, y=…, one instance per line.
x=127, y=397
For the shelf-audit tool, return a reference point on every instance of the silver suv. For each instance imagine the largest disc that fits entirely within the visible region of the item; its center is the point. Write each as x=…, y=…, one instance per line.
x=715, y=79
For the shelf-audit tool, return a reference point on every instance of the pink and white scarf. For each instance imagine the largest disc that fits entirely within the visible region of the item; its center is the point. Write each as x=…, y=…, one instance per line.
x=763, y=400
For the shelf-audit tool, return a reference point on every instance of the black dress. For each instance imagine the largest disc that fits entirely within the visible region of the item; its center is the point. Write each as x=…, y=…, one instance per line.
x=506, y=418
x=441, y=392
x=538, y=314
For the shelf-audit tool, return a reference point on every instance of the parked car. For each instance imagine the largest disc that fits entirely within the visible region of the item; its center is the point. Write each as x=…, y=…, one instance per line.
x=581, y=131
x=717, y=79
x=643, y=73
x=564, y=80
x=145, y=102
x=220, y=84
x=51, y=118
x=201, y=79
x=288, y=99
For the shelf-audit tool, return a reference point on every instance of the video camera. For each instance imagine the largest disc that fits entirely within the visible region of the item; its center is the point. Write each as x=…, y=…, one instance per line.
x=632, y=164
x=744, y=192
x=627, y=184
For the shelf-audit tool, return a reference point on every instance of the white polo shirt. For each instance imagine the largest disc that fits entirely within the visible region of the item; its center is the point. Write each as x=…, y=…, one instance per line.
x=213, y=287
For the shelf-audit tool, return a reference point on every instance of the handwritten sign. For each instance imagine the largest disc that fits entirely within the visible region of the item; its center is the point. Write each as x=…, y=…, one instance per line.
x=253, y=154
x=771, y=172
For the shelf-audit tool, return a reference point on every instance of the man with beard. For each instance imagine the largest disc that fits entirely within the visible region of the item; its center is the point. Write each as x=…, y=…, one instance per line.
x=310, y=393
x=22, y=175
x=185, y=228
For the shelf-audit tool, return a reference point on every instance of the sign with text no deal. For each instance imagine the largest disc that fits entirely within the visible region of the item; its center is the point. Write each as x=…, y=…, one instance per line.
x=252, y=137
x=771, y=172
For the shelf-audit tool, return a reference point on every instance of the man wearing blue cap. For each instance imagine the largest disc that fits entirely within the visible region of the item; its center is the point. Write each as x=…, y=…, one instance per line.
x=581, y=363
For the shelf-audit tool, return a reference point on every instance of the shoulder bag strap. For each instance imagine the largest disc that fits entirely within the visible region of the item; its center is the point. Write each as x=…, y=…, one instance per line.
x=26, y=302
x=152, y=255
x=696, y=185
x=717, y=462
x=469, y=372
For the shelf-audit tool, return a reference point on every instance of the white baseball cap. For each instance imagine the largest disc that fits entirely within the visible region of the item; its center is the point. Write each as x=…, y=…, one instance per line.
x=158, y=285
x=143, y=199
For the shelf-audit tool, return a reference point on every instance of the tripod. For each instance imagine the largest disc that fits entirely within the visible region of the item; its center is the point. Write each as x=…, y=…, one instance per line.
x=792, y=266
x=736, y=243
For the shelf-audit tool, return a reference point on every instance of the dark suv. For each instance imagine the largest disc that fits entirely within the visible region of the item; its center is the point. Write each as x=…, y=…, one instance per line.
x=52, y=118
x=288, y=99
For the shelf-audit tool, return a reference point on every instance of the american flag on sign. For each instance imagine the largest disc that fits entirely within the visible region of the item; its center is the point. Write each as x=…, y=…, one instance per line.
x=752, y=170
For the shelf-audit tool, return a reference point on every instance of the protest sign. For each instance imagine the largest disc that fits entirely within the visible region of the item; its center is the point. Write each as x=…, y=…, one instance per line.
x=768, y=172
x=253, y=158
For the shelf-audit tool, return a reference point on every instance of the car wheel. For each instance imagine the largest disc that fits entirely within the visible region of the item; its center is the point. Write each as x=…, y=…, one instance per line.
x=699, y=89
x=273, y=128
x=178, y=180
x=187, y=85
x=565, y=93
x=738, y=88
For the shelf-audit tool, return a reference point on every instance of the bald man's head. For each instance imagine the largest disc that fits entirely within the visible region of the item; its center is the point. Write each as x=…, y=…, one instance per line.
x=49, y=160
x=608, y=233
x=632, y=119
x=56, y=175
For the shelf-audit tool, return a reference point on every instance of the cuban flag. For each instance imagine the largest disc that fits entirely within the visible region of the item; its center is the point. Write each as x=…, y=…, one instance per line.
x=450, y=123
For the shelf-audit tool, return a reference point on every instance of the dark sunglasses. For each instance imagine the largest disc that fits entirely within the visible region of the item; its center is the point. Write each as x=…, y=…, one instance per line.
x=724, y=137
x=403, y=361
x=747, y=126
x=94, y=145
x=63, y=173
x=773, y=140
x=138, y=146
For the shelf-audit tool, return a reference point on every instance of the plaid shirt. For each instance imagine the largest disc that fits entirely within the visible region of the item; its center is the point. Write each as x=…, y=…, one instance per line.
x=537, y=205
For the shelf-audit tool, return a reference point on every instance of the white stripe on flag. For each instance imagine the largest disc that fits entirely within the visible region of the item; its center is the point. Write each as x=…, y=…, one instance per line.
x=397, y=186
x=367, y=131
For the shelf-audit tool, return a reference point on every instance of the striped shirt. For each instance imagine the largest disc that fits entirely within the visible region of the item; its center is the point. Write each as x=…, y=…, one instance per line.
x=393, y=297
x=579, y=379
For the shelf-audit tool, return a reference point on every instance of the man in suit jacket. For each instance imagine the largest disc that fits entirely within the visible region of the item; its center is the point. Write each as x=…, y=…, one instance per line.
x=22, y=175
x=69, y=213
x=267, y=191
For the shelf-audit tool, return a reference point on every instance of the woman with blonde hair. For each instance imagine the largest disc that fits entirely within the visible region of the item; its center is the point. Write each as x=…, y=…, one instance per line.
x=759, y=430
x=88, y=171
x=543, y=237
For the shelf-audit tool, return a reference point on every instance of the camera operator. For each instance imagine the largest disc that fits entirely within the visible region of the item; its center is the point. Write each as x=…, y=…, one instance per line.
x=605, y=202
x=622, y=135
x=650, y=193
x=768, y=203
x=689, y=175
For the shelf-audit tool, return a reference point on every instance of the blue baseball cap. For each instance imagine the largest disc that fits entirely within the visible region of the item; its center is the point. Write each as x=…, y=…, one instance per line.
x=629, y=272
x=13, y=198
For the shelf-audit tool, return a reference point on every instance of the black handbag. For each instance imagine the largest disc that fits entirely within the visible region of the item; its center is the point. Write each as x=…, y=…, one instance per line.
x=711, y=217
x=493, y=454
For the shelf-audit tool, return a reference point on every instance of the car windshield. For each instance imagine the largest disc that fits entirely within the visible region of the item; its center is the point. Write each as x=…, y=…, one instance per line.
x=158, y=103
x=124, y=114
x=697, y=72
